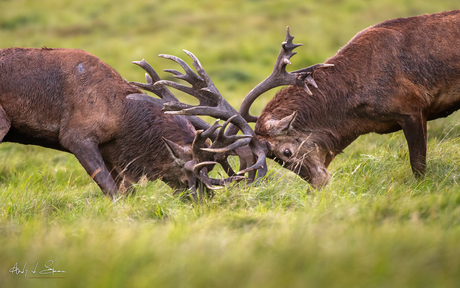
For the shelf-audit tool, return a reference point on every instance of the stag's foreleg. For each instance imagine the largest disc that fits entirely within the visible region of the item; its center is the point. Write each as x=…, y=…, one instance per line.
x=87, y=153
x=414, y=128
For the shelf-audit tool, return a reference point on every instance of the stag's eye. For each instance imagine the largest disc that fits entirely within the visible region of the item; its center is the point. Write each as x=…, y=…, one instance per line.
x=287, y=153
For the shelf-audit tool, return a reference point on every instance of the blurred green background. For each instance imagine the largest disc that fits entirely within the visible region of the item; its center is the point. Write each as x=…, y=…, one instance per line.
x=373, y=226
x=236, y=41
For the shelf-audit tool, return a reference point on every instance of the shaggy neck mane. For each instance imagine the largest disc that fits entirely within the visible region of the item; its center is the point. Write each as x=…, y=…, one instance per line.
x=325, y=112
x=143, y=116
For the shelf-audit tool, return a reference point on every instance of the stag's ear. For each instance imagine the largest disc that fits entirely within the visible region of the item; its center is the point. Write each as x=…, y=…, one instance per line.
x=280, y=127
x=177, y=152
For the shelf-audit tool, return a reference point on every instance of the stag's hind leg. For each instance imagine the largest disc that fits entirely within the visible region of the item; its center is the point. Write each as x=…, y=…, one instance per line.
x=414, y=128
x=5, y=124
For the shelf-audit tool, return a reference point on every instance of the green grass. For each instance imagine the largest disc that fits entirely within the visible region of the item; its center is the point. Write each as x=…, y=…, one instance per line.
x=373, y=226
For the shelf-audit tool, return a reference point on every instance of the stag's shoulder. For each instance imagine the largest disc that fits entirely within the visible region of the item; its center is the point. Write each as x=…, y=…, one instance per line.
x=70, y=55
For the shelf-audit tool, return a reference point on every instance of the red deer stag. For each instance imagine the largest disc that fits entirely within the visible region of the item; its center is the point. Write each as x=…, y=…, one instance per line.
x=72, y=101
x=395, y=75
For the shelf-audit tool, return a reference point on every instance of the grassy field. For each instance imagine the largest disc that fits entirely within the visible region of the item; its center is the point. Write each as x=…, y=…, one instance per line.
x=373, y=226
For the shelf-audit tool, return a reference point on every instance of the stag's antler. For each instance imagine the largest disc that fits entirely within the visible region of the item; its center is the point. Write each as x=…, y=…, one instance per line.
x=214, y=105
x=200, y=166
x=161, y=91
x=279, y=77
x=152, y=77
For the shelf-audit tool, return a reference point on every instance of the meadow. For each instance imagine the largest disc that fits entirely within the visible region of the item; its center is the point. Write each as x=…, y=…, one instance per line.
x=374, y=225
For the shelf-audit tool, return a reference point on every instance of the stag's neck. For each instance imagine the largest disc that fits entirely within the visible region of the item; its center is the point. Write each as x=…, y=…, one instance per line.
x=139, y=149
x=335, y=111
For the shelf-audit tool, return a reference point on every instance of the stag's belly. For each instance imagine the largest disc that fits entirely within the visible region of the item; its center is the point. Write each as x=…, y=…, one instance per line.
x=445, y=104
x=33, y=124
x=48, y=140
x=383, y=119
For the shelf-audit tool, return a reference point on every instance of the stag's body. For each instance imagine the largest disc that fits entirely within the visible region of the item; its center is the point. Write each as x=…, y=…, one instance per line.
x=391, y=76
x=72, y=101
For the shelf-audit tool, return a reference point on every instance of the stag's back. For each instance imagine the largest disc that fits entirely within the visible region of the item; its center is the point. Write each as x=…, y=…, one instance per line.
x=44, y=91
x=415, y=59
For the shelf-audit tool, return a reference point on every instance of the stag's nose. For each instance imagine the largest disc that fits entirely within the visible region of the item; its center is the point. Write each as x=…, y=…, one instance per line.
x=321, y=179
x=318, y=177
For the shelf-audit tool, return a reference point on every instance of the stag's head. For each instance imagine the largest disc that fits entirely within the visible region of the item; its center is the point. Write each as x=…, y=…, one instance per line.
x=282, y=129
x=276, y=136
x=305, y=153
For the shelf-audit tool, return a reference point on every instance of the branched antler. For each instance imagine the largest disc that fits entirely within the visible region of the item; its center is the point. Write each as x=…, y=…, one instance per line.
x=200, y=164
x=211, y=104
x=161, y=91
x=224, y=143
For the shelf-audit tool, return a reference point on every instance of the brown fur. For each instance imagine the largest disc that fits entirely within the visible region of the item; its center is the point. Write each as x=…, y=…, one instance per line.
x=395, y=75
x=71, y=101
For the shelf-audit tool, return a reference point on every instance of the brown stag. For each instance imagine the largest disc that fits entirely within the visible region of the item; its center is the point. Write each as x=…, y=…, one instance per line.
x=70, y=100
x=395, y=75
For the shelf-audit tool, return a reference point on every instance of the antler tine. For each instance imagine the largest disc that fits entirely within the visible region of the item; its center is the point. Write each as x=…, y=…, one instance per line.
x=201, y=155
x=309, y=71
x=221, y=144
x=246, y=139
x=210, y=87
x=150, y=71
x=200, y=138
x=231, y=141
x=201, y=172
x=279, y=77
x=152, y=77
x=189, y=75
x=209, y=131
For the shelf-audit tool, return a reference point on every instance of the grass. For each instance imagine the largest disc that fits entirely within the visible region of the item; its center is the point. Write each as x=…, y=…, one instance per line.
x=373, y=226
